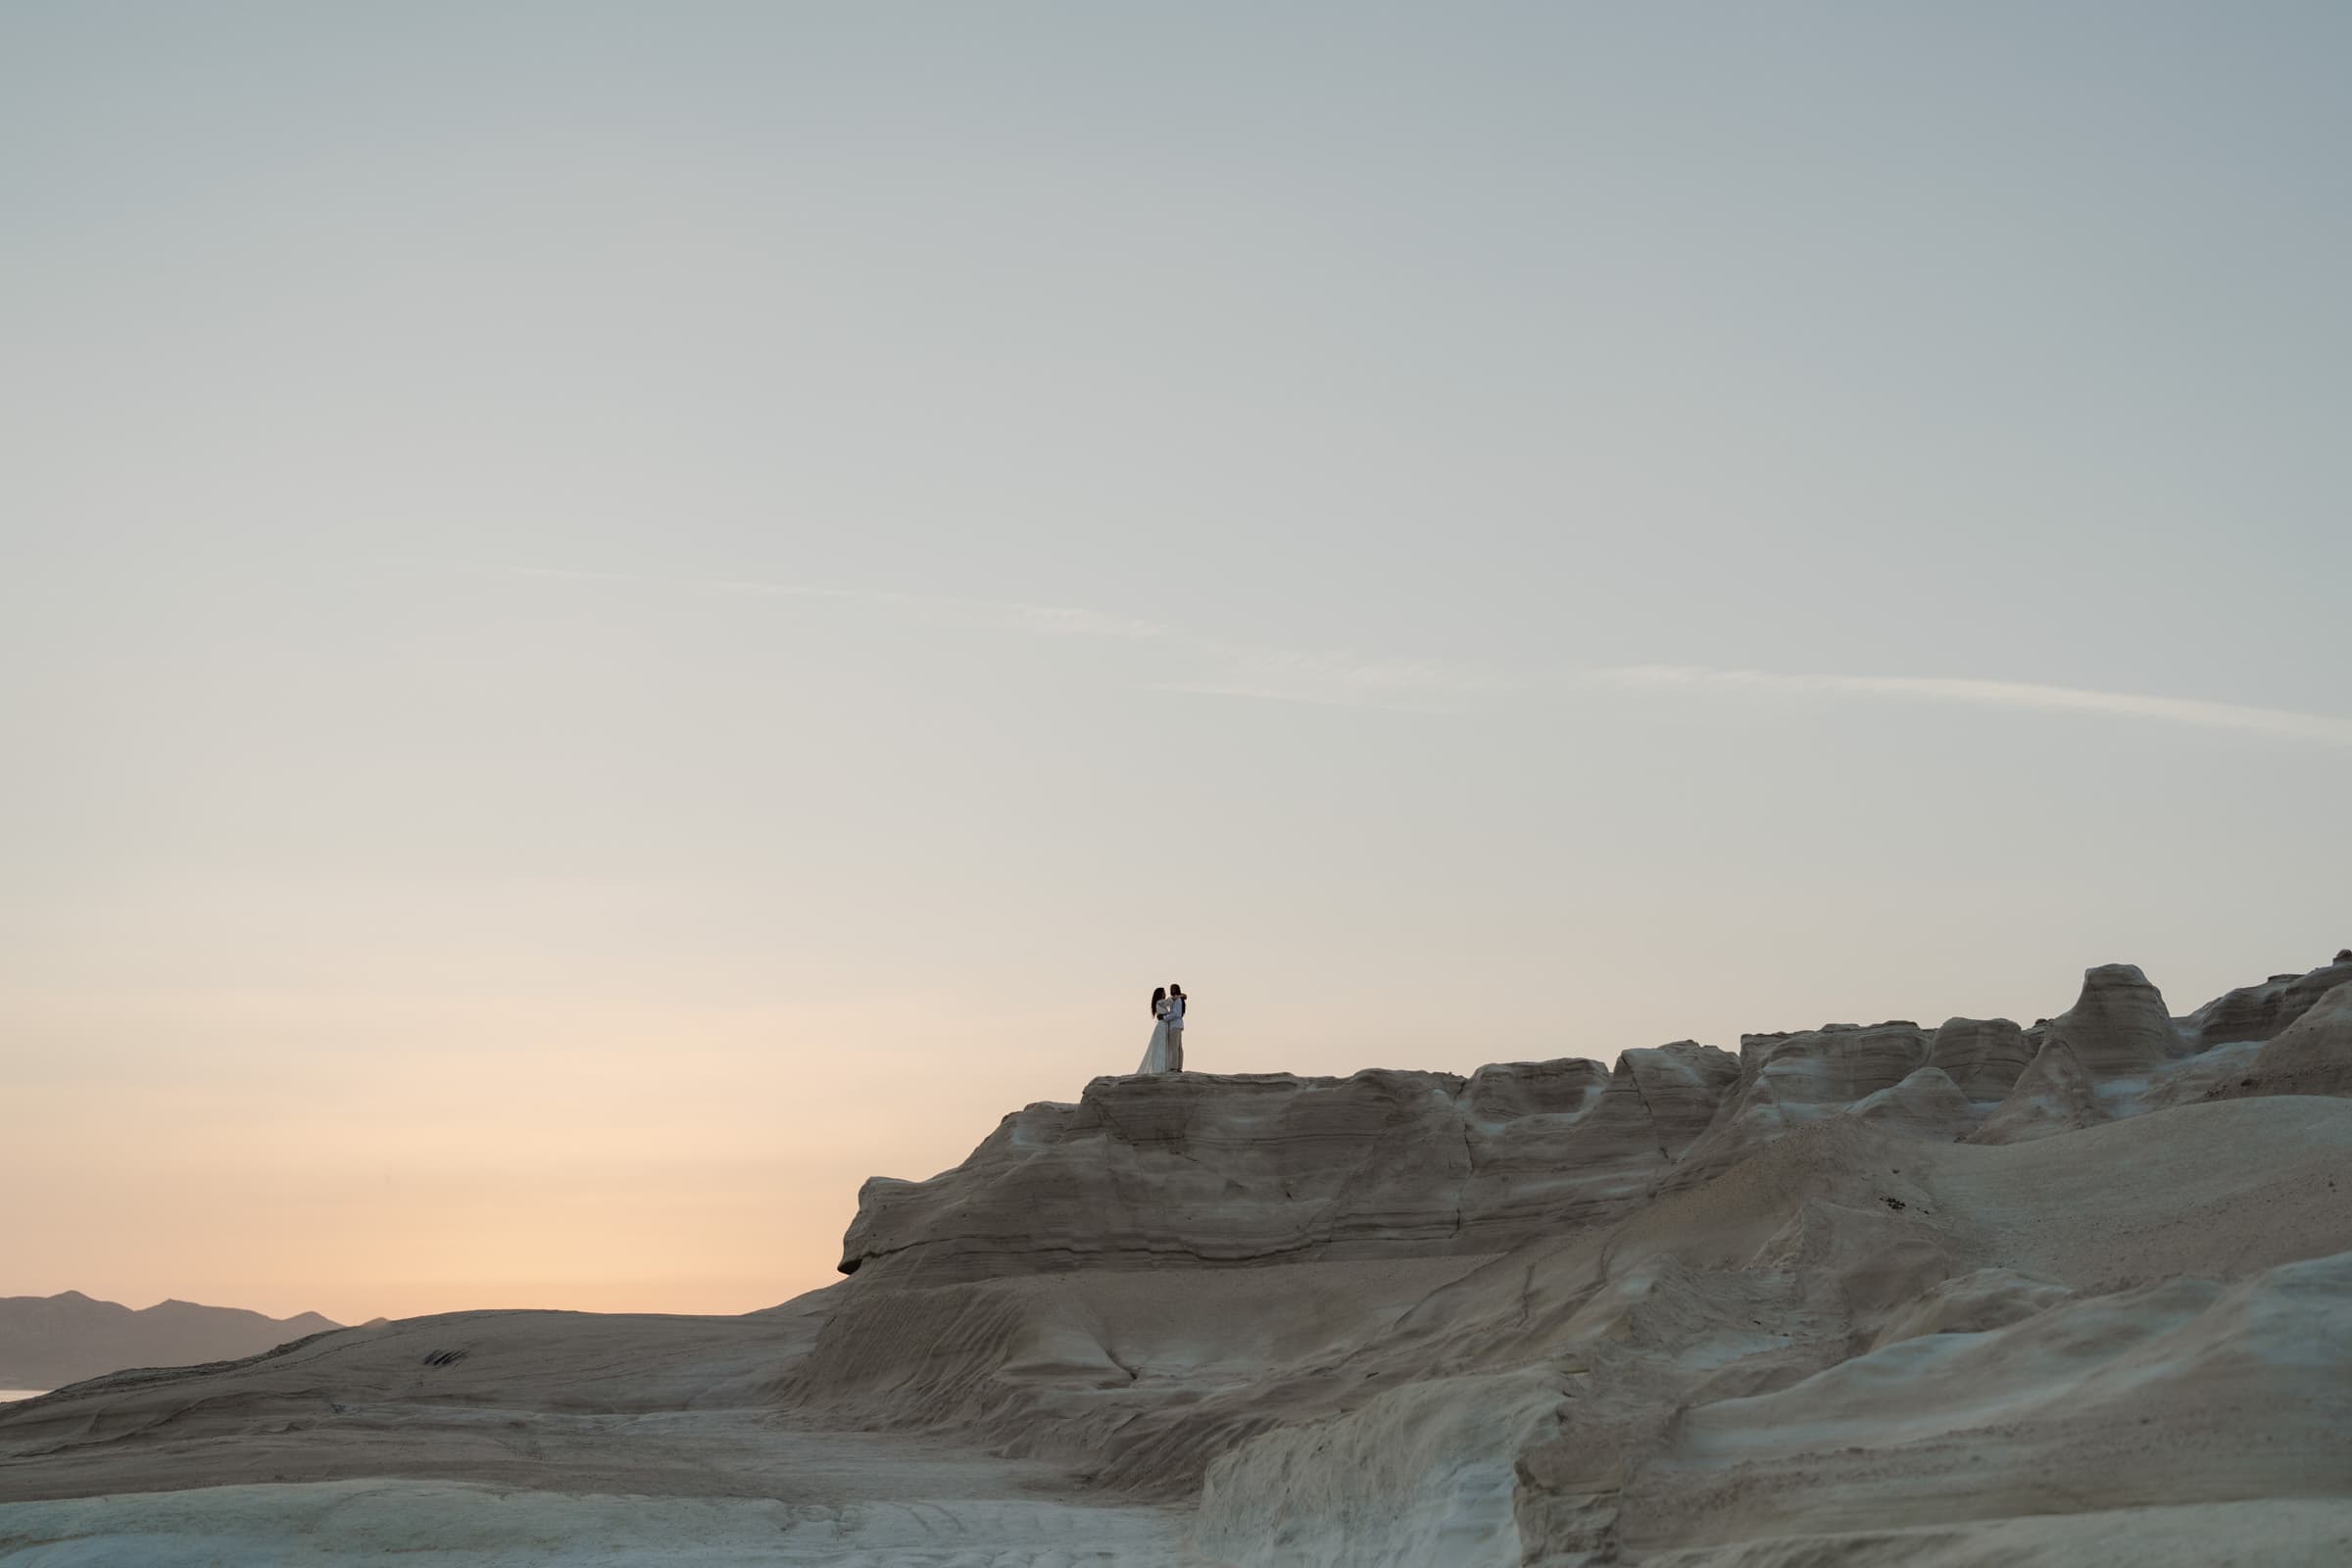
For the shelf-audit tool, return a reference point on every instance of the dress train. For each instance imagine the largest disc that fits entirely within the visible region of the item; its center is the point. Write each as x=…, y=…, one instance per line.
x=1155, y=1057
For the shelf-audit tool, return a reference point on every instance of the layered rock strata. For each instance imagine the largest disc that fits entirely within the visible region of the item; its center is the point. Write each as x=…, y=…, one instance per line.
x=1193, y=1168
x=2257, y=1012
x=1190, y=1169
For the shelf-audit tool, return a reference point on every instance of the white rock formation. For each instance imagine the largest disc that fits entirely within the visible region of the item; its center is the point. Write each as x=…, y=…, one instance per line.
x=2311, y=1054
x=1187, y=1168
x=2258, y=1012
x=2080, y=1293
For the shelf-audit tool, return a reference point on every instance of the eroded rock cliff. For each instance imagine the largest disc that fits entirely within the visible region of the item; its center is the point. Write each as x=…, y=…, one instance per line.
x=1408, y=1317
x=1864, y=1295
x=1194, y=1168
x=1189, y=1169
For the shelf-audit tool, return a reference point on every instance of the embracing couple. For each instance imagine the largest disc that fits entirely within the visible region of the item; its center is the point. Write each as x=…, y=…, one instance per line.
x=1166, y=1053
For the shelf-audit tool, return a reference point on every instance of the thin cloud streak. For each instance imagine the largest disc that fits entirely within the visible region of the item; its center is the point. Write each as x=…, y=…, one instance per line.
x=1274, y=694
x=2321, y=727
x=1256, y=671
x=1337, y=678
x=1045, y=619
x=1334, y=678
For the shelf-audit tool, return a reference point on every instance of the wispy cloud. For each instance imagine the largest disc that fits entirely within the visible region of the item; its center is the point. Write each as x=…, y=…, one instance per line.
x=1331, y=677
x=1212, y=667
x=1202, y=665
x=1045, y=619
x=2321, y=727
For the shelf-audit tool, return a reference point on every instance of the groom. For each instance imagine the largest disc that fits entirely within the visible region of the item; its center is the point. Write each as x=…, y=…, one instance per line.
x=1175, y=1027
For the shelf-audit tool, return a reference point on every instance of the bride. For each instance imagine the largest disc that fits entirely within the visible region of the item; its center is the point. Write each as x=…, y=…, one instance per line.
x=1167, y=1051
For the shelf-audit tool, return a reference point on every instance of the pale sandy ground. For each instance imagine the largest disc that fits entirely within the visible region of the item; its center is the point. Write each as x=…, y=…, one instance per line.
x=2281, y=1534
x=545, y=1443
x=892, y=1504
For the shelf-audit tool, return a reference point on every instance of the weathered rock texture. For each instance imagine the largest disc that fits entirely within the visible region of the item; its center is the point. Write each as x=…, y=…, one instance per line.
x=2257, y=1012
x=2118, y=1026
x=2310, y=1055
x=1191, y=1169
x=1983, y=1057
x=1194, y=1168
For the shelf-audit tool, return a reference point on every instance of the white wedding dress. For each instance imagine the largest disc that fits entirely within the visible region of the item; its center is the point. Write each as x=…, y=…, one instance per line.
x=1162, y=1056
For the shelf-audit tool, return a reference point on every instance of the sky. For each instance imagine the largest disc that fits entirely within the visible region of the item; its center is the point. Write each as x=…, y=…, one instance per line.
x=616, y=616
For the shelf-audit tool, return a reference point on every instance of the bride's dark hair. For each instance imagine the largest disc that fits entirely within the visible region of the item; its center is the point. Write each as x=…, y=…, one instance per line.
x=1159, y=994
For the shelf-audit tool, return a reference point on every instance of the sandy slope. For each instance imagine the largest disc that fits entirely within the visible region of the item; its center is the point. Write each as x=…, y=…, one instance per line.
x=1870, y=1307
x=549, y=1437
x=935, y=1514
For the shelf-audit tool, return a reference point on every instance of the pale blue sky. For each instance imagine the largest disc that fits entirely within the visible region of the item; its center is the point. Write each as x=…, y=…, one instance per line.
x=685, y=604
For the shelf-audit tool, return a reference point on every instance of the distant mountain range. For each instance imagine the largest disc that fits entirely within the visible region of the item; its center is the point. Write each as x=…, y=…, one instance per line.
x=47, y=1341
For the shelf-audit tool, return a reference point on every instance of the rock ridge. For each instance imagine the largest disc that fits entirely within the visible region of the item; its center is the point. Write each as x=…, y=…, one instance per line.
x=1236, y=1169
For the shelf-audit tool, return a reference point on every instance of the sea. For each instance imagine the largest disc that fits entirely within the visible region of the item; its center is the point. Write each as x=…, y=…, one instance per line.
x=6, y=1395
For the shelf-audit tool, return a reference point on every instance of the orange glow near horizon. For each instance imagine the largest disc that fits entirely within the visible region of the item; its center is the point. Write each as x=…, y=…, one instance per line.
x=510, y=1153
x=600, y=1161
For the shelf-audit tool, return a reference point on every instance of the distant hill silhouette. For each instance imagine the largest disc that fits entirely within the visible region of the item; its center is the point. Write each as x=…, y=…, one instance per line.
x=47, y=1341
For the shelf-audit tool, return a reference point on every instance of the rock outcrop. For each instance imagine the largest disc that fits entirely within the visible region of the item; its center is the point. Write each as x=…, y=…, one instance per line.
x=2311, y=1055
x=1983, y=1057
x=2118, y=1027
x=1925, y=1104
x=1787, y=1080
x=1205, y=1168
x=2257, y=1012
x=1194, y=1169
x=2056, y=1094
